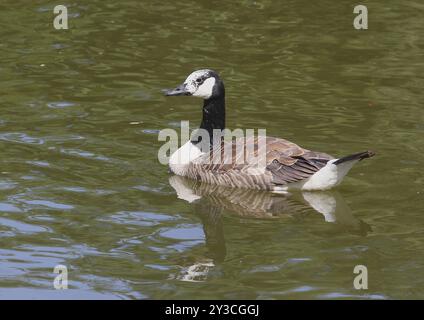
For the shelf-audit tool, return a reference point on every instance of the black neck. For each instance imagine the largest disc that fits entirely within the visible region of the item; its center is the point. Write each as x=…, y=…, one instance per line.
x=213, y=117
x=213, y=114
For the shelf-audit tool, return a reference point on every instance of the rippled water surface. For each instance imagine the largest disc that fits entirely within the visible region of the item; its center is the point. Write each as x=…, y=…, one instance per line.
x=81, y=186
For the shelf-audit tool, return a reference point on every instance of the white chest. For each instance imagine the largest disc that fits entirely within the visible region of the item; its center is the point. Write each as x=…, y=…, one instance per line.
x=180, y=159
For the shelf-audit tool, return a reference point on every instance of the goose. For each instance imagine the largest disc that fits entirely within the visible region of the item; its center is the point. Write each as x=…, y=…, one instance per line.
x=288, y=166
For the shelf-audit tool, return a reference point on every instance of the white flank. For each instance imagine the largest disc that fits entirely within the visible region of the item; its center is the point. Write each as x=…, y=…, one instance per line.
x=326, y=178
x=181, y=158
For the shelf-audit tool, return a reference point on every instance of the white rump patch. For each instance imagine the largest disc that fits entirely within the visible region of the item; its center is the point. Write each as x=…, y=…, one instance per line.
x=329, y=176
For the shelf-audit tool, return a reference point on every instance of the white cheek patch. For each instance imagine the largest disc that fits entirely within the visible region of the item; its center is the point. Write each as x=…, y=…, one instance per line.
x=205, y=89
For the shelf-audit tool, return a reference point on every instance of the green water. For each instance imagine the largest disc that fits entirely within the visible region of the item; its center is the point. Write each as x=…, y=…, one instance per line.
x=81, y=186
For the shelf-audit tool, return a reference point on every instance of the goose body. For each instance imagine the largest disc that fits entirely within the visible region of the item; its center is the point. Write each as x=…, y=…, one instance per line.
x=285, y=165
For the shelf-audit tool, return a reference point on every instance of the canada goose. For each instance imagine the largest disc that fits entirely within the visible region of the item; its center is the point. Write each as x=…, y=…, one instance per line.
x=288, y=166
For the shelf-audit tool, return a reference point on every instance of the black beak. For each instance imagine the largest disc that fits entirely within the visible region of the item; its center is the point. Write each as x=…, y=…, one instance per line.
x=178, y=91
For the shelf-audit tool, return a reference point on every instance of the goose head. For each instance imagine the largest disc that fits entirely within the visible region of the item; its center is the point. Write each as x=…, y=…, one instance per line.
x=205, y=84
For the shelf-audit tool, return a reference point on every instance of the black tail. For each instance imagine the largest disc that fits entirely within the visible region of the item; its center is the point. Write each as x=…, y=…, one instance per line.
x=355, y=156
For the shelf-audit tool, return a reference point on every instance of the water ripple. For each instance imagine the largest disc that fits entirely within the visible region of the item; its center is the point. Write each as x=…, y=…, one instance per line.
x=20, y=138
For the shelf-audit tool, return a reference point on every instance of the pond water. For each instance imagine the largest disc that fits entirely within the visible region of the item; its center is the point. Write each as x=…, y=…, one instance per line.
x=81, y=185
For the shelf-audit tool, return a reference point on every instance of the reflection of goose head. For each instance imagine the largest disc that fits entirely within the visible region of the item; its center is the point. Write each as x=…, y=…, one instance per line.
x=196, y=272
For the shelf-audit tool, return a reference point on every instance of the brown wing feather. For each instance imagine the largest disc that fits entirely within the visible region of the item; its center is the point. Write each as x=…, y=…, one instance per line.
x=286, y=162
x=290, y=163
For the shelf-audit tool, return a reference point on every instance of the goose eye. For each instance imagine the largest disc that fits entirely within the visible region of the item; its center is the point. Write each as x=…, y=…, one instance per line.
x=198, y=80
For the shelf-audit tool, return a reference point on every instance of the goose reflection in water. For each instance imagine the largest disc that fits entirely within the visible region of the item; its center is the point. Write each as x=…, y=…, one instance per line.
x=209, y=202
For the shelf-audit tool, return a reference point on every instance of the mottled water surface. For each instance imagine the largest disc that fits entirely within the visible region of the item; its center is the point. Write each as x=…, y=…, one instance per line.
x=81, y=186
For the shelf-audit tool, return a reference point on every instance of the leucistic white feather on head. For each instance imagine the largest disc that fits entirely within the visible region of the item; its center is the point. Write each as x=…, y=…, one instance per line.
x=203, y=83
